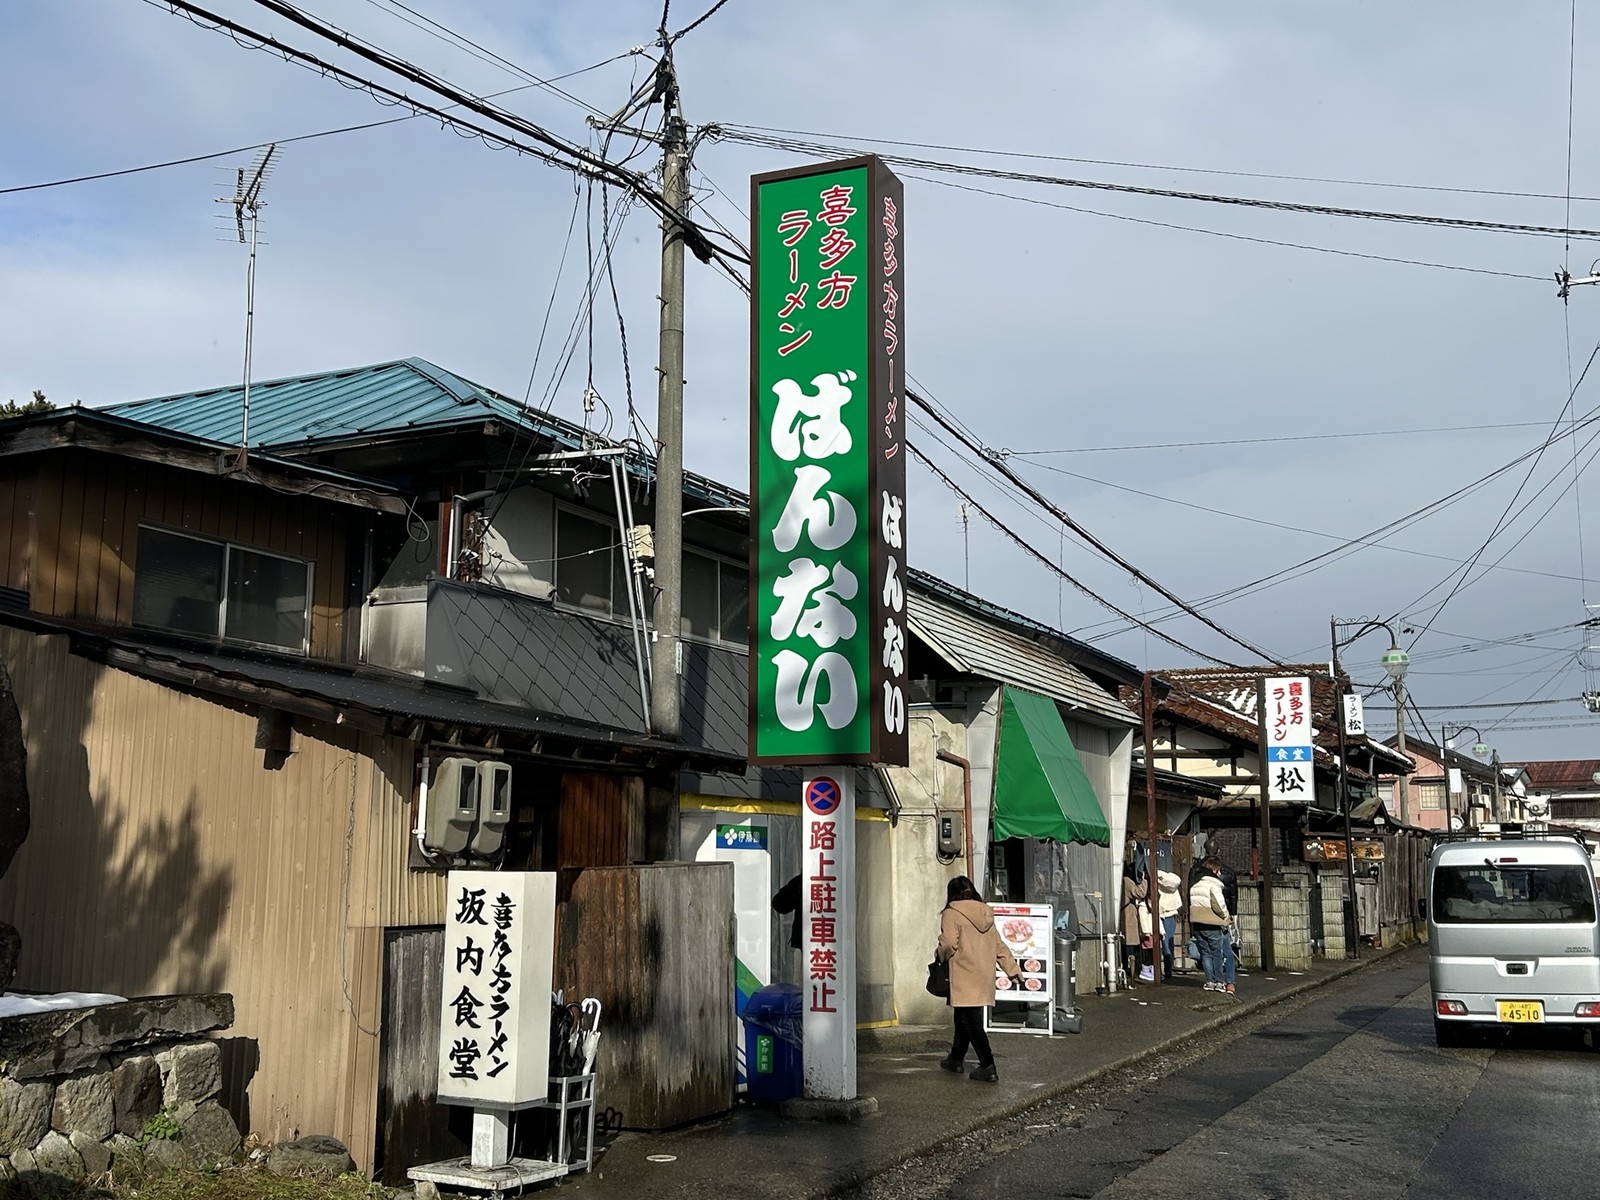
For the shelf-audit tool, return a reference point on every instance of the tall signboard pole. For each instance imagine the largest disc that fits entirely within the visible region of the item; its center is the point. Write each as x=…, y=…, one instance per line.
x=1288, y=772
x=827, y=540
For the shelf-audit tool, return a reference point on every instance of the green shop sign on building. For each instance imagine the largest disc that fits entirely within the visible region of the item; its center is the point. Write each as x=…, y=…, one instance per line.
x=827, y=458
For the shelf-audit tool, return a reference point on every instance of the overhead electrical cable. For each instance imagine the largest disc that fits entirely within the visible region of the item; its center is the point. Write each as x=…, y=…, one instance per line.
x=281, y=141
x=1328, y=556
x=1164, y=167
x=1000, y=467
x=1262, y=441
x=1005, y=529
x=549, y=148
x=1235, y=237
x=1222, y=512
x=738, y=134
x=1501, y=523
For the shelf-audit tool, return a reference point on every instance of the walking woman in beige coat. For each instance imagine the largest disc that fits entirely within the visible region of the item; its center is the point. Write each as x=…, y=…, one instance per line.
x=970, y=943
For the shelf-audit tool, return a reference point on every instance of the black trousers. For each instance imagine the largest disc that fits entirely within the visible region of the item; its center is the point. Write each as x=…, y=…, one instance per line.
x=970, y=1032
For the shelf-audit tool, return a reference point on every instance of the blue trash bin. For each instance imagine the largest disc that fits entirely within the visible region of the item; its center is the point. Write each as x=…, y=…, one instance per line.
x=772, y=1042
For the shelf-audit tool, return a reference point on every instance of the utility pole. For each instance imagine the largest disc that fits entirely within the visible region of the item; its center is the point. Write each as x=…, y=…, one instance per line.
x=666, y=687
x=1400, y=745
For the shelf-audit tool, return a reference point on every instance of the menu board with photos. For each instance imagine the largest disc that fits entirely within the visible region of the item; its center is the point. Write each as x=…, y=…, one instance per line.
x=1026, y=931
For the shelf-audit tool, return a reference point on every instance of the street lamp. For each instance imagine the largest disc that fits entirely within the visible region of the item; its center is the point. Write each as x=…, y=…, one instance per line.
x=1480, y=749
x=1395, y=660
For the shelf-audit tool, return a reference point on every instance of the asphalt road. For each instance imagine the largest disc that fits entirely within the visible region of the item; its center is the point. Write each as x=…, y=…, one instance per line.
x=1341, y=1094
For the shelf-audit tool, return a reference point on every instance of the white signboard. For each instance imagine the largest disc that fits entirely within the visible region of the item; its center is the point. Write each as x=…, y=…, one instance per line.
x=828, y=932
x=1026, y=929
x=1286, y=730
x=1455, y=781
x=494, y=1018
x=1355, y=723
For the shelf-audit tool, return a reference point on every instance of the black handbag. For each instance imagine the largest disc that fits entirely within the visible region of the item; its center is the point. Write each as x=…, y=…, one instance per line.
x=939, y=978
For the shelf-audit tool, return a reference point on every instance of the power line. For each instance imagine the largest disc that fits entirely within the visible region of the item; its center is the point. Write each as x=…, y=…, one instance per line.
x=549, y=148
x=999, y=466
x=1220, y=233
x=741, y=134
x=1056, y=568
x=1221, y=512
x=1138, y=166
x=1500, y=524
x=284, y=141
x=1261, y=441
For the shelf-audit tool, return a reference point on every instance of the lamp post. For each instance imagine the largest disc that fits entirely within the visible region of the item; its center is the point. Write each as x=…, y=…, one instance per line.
x=1480, y=748
x=1394, y=661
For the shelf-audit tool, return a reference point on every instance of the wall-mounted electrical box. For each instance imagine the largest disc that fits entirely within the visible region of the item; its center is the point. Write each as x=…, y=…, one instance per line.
x=494, y=808
x=452, y=806
x=948, y=829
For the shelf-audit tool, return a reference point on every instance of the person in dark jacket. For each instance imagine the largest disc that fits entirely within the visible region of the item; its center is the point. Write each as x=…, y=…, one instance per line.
x=788, y=901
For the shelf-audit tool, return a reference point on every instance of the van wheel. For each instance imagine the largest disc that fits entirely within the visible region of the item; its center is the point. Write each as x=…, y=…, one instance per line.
x=1448, y=1035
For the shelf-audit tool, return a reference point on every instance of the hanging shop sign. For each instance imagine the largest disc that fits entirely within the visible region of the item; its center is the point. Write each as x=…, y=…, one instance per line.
x=1318, y=850
x=494, y=1020
x=827, y=470
x=1286, y=732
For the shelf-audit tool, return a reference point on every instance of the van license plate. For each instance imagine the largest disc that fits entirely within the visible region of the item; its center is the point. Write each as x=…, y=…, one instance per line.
x=1521, y=1012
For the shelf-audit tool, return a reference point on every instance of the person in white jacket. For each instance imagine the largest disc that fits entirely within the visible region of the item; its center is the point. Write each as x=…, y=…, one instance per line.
x=1170, y=900
x=1209, y=918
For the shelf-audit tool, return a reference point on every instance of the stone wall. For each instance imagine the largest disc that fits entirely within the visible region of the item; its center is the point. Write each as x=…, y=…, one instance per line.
x=1333, y=930
x=115, y=1088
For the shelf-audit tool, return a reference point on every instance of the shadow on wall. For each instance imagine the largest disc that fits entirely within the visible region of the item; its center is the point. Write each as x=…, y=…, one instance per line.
x=161, y=903
x=115, y=888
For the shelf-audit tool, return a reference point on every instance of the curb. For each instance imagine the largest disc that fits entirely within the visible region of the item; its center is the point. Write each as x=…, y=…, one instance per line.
x=1056, y=1090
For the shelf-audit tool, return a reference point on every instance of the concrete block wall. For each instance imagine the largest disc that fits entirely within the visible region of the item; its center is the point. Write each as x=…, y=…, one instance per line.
x=1333, y=945
x=1291, y=920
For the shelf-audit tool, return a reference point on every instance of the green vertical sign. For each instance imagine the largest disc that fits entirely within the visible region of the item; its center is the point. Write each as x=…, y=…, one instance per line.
x=828, y=638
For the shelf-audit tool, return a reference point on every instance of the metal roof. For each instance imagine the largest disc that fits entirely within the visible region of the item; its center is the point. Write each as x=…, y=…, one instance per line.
x=980, y=646
x=303, y=413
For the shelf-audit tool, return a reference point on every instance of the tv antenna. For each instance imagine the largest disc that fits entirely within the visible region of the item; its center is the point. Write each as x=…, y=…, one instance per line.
x=247, y=206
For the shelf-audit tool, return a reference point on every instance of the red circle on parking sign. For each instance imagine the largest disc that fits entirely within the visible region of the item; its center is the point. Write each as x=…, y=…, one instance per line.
x=822, y=796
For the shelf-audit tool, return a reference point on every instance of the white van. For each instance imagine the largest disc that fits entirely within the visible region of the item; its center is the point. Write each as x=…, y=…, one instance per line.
x=1512, y=935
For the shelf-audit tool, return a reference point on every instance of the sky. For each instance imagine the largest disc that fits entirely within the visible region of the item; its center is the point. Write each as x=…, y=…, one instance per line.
x=1217, y=392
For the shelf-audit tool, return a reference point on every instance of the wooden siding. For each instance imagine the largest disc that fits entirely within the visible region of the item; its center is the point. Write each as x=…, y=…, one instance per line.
x=164, y=857
x=82, y=535
x=601, y=820
x=655, y=945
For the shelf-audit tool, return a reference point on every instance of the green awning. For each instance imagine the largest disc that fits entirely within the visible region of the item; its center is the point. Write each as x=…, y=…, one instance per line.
x=1040, y=789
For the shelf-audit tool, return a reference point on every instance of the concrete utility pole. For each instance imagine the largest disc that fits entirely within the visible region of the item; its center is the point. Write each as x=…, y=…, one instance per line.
x=666, y=668
x=1400, y=745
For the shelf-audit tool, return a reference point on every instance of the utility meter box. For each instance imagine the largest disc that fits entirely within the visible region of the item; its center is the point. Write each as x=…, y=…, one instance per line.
x=494, y=808
x=948, y=828
x=452, y=806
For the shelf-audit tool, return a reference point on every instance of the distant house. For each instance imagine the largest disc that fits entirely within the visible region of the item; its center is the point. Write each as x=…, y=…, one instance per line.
x=1568, y=789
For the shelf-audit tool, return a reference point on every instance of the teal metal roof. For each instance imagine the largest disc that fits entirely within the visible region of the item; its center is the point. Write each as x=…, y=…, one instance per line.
x=306, y=412
x=335, y=406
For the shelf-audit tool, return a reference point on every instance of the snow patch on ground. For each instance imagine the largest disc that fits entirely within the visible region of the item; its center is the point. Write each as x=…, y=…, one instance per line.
x=13, y=1005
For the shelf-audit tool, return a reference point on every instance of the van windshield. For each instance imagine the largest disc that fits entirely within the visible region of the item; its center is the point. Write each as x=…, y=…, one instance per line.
x=1496, y=895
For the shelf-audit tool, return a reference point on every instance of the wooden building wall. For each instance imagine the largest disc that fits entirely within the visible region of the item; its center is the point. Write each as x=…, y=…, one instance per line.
x=73, y=534
x=164, y=857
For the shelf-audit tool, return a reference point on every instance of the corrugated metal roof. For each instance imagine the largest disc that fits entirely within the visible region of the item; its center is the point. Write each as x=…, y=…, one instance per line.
x=304, y=412
x=983, y=647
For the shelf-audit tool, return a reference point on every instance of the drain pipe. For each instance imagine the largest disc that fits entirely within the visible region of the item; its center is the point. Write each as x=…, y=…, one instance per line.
x=966, y=800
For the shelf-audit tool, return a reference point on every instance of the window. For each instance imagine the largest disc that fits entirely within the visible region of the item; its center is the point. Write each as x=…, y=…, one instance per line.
x=588, y=574
x=1490, y=894
x=1430, y=794
x=216, y=589
x=716, y=599
x=589, y=564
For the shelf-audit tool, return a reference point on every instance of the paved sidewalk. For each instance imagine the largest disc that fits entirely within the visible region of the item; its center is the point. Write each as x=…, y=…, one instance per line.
x=755, y=1152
